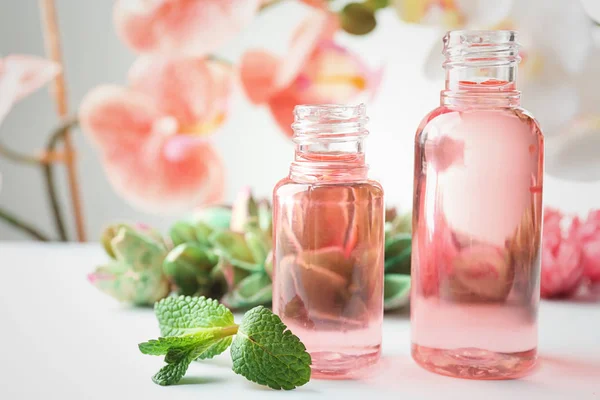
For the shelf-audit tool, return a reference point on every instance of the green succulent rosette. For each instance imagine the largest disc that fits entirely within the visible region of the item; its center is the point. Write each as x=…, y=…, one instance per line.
x=398, y=250
x=134, y=272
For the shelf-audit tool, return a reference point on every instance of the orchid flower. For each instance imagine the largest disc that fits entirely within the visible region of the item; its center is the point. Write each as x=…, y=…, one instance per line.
x=152, y=135
x=315, y=70
x=20, y=75
x=548, y=73
x=191, y=27
x=592, y=7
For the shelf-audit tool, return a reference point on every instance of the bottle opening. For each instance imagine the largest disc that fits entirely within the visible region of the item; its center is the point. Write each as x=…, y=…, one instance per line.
x=481, y=67
x=329, y=142
x=328, y=121
x=480, y=48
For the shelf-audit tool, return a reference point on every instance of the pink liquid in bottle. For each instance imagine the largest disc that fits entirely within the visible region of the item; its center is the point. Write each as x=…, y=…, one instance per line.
x=477, y=218
x=328, y=243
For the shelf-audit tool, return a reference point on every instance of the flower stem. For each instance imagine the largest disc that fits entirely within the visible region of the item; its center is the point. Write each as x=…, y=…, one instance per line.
x=18, y=157
x=24, y=226
x=53, y=49
x=48, y=169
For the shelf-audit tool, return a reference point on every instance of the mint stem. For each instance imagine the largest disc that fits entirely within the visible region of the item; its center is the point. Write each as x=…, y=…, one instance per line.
x=230, y=330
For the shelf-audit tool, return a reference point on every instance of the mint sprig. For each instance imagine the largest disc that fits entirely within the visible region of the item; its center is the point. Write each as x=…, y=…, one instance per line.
x=264, y=350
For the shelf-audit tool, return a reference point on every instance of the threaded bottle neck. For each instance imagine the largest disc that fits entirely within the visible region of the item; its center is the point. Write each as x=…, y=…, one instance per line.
x=481, y=68
x=329, y=143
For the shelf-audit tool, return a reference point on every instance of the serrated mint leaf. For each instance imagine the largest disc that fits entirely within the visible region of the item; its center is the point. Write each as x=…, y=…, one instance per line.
x=178, y=359
x=194, y=328
x=266, y=352
x=187, y=315
x=170, y=374
x=162, y=345
x=216, y=349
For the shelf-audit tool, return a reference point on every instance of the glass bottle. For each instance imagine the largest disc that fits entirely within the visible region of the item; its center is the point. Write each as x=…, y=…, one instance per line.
x=477, y=217
x=328, y=243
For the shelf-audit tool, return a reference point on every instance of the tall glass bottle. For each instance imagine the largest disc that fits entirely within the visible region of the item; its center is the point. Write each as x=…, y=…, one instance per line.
x=328, y=242
x=477, y=217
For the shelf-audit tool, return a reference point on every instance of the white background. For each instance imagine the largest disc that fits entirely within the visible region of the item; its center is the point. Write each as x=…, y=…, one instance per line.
x=63, y=339
x=254, y=150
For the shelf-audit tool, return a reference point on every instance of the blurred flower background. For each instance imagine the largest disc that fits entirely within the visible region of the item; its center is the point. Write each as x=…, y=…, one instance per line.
x=182, y=103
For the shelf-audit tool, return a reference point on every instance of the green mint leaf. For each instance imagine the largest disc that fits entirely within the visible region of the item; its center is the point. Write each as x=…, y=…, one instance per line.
x=179, y=358
x=266, y=352
x=170, y=374
x=216, y=349
x=162, y=345
x=193, y=328
x=184, y=315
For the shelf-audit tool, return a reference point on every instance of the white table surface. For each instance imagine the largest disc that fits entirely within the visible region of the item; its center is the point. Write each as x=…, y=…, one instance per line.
x=62, y=339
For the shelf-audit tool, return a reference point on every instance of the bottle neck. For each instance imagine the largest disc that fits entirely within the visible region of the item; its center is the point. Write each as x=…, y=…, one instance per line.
x=329, y=143
x=481, y=69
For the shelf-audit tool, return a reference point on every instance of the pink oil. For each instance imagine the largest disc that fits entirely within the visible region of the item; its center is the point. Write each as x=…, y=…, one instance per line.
x=328, y=283
x=476, y=243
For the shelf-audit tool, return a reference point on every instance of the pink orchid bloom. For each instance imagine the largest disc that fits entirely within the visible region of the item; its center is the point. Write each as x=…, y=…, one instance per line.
x=152, y=135
x=315, y=70
x=562, y=270
x=20, y=75
x=588, y=234
x=316, y=3
x=191, y=27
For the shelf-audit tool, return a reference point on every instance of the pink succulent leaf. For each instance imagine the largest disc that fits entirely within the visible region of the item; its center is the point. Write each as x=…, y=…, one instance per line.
x=239, y=210
x=244, y=211
x=588, y=235
x=20, y=75
x=258, y=71
x=562, y=270
x=191, y=27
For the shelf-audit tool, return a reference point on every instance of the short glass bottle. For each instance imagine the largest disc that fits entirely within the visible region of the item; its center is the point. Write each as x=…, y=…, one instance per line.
x=477, y=217
x=328, y=224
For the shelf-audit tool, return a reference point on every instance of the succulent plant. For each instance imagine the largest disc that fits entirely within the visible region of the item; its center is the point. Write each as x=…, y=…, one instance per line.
x=398, y=249
x=134, y=272
x=190, y=264
x=226, y=253
x=222, y=252
x=245, y=253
